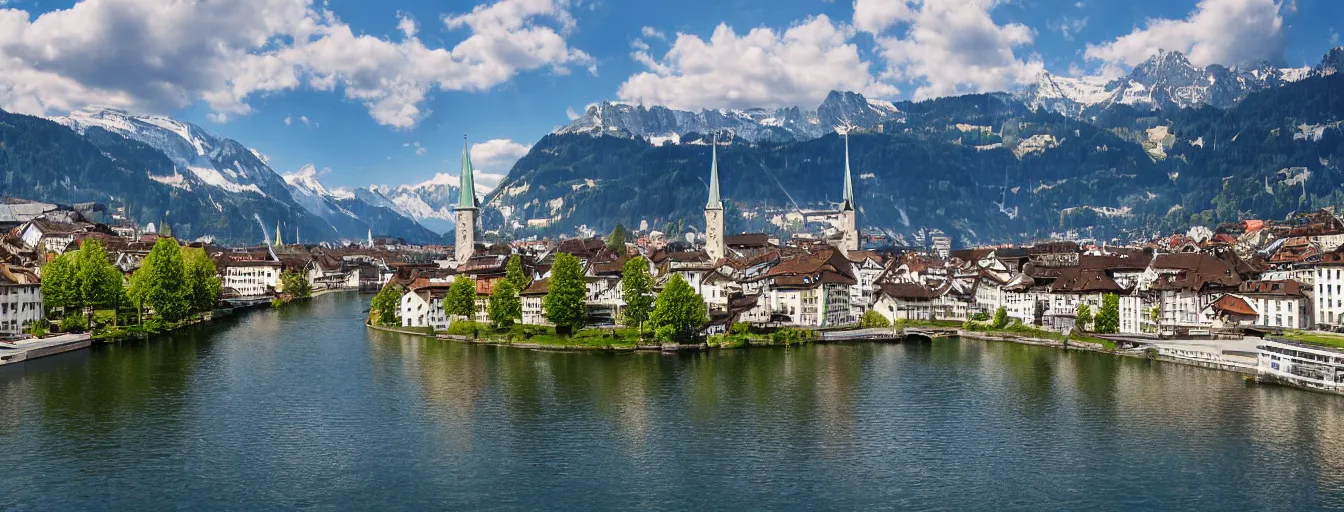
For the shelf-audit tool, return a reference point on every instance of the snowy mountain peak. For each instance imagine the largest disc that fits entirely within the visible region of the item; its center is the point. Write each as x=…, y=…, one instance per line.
x=660, y=124
x=306, y=178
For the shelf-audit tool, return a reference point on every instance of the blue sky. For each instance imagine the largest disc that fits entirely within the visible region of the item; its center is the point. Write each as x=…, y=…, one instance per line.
x=382, y=92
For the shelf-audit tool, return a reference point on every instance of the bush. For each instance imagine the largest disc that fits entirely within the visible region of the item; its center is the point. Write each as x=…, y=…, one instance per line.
x=524, y=331
x=740, y=328
x=74, y=323
x=980, y=316
x=872, y=319
x=466, y=328
x=1000, y=317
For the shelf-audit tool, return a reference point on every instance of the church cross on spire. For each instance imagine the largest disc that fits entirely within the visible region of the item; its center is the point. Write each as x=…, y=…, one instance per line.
x=714, y=201
x=466, y=189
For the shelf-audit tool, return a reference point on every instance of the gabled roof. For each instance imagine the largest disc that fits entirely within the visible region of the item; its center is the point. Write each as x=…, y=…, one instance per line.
x=1079, y=280
x=907, y=291
x=538, y=287
x=1285, y=288
x=1233, y=304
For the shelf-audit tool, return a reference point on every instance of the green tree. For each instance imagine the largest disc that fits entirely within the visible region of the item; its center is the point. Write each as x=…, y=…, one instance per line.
x=159, y=282
x=387, y=305
x=564, y=301
x=1001, y=317
x=637, y=289
x=505, y=306
x=513, y=272
x=58, y=278
x=97, y=283
x=202, y=279
x=679, y=311
x=1108, y=319
x=296, y=284
x=616, y=240
x=461, y=298
x=1083, y=317
x=873, y=319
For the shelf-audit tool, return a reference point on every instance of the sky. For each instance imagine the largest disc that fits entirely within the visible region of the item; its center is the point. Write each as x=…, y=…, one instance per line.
x=383, y=92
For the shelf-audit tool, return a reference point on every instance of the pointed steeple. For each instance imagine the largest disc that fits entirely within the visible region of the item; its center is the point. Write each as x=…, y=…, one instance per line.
x=278, y=241
x=847, y=202
x=466, y=188
x=715, y=203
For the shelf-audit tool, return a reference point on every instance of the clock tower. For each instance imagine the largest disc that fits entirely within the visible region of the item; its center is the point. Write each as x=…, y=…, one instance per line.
x=467, y=209
x=714, y=209
x=849, y=226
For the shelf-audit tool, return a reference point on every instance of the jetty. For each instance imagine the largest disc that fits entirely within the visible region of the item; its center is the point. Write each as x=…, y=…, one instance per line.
x=888, y=334
x=33, y=348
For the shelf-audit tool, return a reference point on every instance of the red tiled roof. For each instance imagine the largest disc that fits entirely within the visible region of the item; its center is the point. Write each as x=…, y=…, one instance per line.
x=1234, y=305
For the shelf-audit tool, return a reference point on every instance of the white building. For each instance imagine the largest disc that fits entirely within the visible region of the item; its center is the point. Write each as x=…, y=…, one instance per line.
x=1279, y=304
x=1329, y=294
x=532, y=297
x=20, y=300
x=422, y=306
x=252, y=278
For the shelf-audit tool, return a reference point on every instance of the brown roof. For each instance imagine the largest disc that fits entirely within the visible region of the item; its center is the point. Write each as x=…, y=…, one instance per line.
x=1285, y=288
x=1234, y=305
x=747, y=240
x=907, y=291
x=1079, y=280
x=538, y=287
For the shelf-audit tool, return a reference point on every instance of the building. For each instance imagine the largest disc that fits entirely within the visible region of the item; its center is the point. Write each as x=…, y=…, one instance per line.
x=939, y=243
x=20, y=299
x=251, y=278
x=467, y=208
x=714, y=238
x=532, y=299
x=1279, y=304
x=1329, y=290
x=849, y=226
x=422, y=305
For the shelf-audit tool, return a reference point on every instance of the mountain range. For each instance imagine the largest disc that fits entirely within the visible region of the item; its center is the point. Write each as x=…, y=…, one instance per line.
x=1167, y=145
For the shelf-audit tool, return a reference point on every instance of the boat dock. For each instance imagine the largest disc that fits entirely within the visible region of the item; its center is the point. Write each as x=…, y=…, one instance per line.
x=23, y=350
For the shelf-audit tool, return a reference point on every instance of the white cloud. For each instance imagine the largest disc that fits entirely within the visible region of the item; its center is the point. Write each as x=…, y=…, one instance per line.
x=955, y=47
x=572, y=114
x=289, y=119
x=419, y=150
x=1216, y=32
x=161, y=55
x=652, y=33
x=1334, y=37
x=1070, y=27
x=761, y=68
x=494, y=158
x=875, y=16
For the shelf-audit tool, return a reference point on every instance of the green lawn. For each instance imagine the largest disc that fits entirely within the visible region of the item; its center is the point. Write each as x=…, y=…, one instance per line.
x=1033, y=332
x=1328, y=340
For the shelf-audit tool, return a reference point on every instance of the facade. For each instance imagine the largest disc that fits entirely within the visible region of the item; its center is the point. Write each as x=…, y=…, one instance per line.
x=1279, y=304
x=1301, y=365
x=252, y=278
x=1329, y=294
x=20, y=300
x=532, y=298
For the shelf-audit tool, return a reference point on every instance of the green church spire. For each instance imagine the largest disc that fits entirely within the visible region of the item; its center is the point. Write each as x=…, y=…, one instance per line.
x=714, y=202
x=466, y=193
x=848, y=200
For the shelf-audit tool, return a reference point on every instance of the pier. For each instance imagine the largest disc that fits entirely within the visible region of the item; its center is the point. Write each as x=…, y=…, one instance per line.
x=24, y=350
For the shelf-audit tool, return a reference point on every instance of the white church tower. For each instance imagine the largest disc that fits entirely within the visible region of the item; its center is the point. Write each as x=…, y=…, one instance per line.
x=467, y=208
x=849, y=224
x=714, y=209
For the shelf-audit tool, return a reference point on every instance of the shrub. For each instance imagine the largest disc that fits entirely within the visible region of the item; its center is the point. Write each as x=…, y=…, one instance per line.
x=1000, y=317
x=980, y=316
x=74, y=323
x=466, y=328
x=873, y=319
x=740, y=328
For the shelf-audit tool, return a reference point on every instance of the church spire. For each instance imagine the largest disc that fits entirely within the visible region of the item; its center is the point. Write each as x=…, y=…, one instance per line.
x=278, y=242
x=714, y=201
x=848, y=199
x=466, y=193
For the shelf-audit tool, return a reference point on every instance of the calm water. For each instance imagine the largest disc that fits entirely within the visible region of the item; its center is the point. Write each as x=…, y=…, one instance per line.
x=303, y=408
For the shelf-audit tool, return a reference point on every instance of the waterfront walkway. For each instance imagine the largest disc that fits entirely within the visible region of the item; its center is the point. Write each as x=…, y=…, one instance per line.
x=34, y=348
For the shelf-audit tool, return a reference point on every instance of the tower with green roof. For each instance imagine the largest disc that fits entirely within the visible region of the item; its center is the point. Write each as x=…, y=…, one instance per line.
x=714, y=243
x=467, y=208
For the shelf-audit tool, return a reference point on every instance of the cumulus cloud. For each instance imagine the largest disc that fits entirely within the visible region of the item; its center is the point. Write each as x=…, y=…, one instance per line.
x=652, y=33
x=875, y=16
x=760, y=68
x=419, y=150
x=955, y=47
x=495, y=158
x=1217, y=32
x=572, y=114
x=161, y=55
x=290, y=119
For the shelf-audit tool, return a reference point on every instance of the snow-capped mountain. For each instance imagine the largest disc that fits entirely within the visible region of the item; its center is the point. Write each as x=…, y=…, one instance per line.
x=349, y=212
x=662, y=125
x=202, y=158
x=1166, y=78
x=430, y=202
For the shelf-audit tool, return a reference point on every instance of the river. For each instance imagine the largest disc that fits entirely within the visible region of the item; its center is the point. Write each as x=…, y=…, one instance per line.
x=303, y=408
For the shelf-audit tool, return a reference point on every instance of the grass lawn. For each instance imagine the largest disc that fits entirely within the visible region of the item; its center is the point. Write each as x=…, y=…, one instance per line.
x=1027, y=330
x=1328, y=340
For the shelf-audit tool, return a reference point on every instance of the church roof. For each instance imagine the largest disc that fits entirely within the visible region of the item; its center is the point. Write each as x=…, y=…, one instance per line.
x=715, y=203
x=466, y=189
x=847, y=201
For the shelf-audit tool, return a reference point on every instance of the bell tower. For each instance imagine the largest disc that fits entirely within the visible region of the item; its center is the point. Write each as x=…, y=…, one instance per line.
x=714, y=244
x=849, y=225
x=467, y=208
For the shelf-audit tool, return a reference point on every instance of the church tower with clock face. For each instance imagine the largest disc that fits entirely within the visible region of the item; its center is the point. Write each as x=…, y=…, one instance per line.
x=467, y=208
x=714, y=244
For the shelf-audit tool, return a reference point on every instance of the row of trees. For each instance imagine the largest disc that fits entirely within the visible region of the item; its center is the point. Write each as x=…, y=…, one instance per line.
x=172, y=282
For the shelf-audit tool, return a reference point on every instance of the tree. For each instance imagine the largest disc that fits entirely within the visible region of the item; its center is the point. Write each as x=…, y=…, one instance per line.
x=296, y=284
x=564, y=301
x=97, y=282
x=513, y=272
x=1001, y=317
x=386, y=303
x=461, y=298
x=1084, y=317
x=1108, y=319
x=637, y=289
x=679, y=310
x=505, y=306
x=872, y=319
x=616, y=240
x=159, y=283
x=58, y=276
x=203, y=279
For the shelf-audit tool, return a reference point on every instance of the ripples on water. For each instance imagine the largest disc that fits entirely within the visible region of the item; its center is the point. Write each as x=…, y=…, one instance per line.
x=303, y=408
